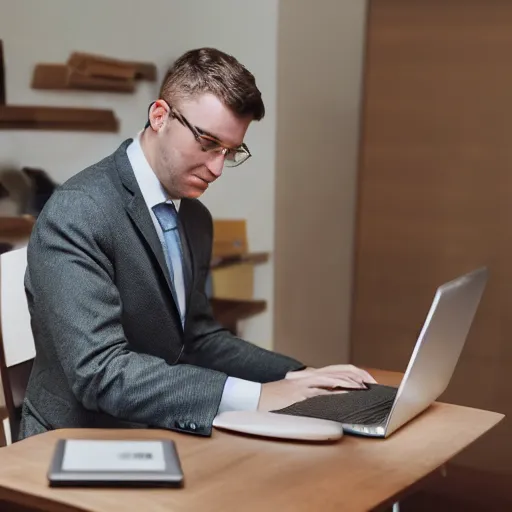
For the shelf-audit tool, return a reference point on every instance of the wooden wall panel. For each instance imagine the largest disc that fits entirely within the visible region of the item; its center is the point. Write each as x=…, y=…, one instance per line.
x=435, y=193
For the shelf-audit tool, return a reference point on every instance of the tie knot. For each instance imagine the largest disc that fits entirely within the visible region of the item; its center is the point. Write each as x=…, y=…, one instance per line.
x=166, y=215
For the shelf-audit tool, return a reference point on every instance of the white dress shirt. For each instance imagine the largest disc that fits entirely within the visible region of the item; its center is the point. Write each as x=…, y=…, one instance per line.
x=238, y=394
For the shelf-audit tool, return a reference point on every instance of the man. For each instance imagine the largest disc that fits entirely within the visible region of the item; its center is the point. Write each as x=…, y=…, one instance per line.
x=117, y=263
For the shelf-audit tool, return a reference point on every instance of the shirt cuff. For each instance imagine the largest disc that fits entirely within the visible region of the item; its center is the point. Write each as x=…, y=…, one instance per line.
x=240, y=395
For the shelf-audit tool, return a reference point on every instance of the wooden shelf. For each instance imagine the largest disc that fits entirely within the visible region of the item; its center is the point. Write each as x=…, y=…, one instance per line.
x=14, y=117
x=228, y=312
x=60, y=77
x=237, y=259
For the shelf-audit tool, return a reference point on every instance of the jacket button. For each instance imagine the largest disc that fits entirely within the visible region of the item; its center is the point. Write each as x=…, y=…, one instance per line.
x=180, y=424
x=192, y=426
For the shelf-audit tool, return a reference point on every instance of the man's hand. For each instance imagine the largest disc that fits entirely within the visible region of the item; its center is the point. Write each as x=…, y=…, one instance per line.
x=345, y=372
x=276, y=395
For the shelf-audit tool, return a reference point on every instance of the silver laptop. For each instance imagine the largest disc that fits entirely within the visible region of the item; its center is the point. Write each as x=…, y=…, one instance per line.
x=380, y=410
x=434, y=357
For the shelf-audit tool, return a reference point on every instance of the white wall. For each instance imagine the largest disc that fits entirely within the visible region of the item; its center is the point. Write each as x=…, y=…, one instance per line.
x=36, y=31
x=320, y=63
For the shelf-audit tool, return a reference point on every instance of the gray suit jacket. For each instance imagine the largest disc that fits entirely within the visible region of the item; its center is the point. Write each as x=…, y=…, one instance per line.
x=110, y=348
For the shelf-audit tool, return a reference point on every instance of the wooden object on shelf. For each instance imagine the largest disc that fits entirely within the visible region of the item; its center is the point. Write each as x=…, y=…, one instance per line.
x=84, y=71
x=98, y=65
x=61, y=77
x=78, y=81
x=91, y=65
x=233, y=276
x=230, y=238
x=233, y=282
x=20, y=117
x=50, y=76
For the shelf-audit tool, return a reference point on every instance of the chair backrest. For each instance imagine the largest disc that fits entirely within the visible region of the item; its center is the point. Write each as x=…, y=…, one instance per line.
x=17, y=349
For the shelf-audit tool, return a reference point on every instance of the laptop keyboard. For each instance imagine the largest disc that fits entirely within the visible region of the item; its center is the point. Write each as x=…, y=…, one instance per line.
x=361, y=407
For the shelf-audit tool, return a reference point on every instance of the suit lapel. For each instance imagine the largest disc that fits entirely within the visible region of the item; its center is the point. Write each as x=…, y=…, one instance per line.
x=187, y=265
x=138, y=211
x=188, y=254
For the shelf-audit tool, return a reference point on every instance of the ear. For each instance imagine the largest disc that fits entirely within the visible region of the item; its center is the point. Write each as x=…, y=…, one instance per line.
x=158, y=115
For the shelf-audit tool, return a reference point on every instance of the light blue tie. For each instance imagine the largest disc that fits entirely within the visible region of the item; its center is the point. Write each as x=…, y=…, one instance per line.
x=168, y=219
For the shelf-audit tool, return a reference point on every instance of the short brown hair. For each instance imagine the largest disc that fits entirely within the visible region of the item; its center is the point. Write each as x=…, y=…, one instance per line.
x=207, y=70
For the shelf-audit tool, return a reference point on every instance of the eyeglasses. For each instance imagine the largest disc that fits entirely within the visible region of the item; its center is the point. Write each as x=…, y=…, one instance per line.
x=233, y=156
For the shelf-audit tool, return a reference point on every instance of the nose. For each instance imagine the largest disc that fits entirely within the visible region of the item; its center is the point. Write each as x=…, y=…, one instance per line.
x=216, y=164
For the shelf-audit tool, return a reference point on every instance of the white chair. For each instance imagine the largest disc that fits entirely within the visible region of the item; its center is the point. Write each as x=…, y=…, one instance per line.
x=17, y=349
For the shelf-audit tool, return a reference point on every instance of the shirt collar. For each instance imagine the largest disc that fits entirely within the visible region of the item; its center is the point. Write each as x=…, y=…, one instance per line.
x=151, y=188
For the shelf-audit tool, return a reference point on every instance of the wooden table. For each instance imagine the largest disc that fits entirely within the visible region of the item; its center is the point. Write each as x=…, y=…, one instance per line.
x=230, y=472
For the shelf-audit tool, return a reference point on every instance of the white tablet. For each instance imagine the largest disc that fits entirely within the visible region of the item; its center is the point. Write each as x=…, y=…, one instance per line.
x=131, y=463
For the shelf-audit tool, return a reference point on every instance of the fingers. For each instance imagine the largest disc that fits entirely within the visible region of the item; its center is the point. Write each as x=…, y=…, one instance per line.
x=365, y=376
x=332, y=382
x=348, y=370
x=347, y=375
x=369, y=379
x=342, y=371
